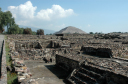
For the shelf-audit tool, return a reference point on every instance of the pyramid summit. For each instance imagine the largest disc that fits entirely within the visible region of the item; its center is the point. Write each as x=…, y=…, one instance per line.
x=70, y=30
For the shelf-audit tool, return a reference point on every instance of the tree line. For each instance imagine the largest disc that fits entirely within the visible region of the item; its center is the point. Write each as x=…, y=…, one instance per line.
x=6, y=20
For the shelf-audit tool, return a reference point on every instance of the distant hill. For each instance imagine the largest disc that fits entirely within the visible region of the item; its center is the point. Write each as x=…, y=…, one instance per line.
x=70, y=30
x=46, y=31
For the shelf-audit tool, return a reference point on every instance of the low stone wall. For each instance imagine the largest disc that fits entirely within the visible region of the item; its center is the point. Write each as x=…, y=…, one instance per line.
x=113, y=50
x=36, y=53
x=3, y=79
x=102, y=52
x=66, y=63
x=26, y=36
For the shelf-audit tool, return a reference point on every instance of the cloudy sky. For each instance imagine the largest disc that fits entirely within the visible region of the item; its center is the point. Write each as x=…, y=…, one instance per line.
x=89, y=15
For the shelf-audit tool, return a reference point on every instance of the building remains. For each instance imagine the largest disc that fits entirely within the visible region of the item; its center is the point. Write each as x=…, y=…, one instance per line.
x=90, y=59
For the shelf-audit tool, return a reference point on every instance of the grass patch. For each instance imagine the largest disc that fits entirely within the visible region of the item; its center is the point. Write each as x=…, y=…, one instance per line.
x=8, y=59
x=11, y=76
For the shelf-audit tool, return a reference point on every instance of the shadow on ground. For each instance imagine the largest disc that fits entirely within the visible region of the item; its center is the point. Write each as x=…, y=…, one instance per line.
x=59, y=72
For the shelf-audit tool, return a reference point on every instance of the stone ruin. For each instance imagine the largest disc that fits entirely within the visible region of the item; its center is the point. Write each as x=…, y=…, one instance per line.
x=92, y=70
x=90, y=59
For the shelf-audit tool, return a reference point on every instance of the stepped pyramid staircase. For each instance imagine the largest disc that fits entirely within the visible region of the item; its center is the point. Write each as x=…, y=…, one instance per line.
x=87, y=74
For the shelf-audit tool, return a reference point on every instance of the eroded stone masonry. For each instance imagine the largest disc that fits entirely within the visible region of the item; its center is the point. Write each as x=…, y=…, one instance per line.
x=90, y=59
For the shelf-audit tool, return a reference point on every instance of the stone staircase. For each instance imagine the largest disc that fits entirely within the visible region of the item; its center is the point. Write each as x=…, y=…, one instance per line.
x=86, y=74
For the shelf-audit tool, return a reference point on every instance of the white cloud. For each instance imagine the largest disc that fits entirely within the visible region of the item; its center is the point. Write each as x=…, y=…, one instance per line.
x=24, y=11
x=55, y=12
x=25, y=14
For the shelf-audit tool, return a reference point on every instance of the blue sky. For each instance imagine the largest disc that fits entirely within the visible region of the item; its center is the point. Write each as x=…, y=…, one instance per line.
x=88, y=15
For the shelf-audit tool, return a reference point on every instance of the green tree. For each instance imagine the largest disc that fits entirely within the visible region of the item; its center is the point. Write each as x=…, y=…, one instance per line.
x=14, y=29
x=27, y=31
x=21, y=30
x=91, y=33
x=33, y=33
x=1, y=21
x=9, y=21
x=40, y=32
x=6, y=19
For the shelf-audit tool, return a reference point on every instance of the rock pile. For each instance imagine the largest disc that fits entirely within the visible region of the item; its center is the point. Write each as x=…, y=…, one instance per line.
x=18, y=64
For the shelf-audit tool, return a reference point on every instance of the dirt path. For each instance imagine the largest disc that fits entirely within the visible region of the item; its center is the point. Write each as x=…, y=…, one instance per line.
x=46, y=73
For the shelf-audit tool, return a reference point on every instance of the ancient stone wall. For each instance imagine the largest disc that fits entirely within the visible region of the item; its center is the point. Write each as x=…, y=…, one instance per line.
x=33, y=49
x=66, y=50
x=66, y=63
x=95, y=75
x=93, y=70
x=3, y=71
x=32, y=44
x=78, y=35
x=26, y=36
x=114, y=50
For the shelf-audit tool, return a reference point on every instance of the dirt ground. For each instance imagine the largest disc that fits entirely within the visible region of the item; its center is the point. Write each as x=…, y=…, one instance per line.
x=46, y=73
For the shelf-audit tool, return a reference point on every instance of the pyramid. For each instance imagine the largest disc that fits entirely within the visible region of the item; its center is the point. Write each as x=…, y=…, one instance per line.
x=70, y=30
